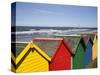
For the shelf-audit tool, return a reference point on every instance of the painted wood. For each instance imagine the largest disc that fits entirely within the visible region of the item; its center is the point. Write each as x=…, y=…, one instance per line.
x=34, y=62
x=60, y=55
x=94, y=48
x=77, y=47
x=88, y=54
x=31, y=59
x=78, y=58
x=61, y=60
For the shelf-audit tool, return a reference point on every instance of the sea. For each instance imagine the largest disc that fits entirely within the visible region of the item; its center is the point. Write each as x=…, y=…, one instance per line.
x=27, y=33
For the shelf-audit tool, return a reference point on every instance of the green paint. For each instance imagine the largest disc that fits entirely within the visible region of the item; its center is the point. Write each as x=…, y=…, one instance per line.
x=78, y=57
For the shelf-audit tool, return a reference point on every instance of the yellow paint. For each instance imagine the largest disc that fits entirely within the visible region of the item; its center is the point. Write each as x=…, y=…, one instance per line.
x=13, y=57
x=94, y=48
x=35, y=61
x=23, y=53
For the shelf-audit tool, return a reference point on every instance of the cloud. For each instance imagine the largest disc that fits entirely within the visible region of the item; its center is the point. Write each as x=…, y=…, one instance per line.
x=48, y=12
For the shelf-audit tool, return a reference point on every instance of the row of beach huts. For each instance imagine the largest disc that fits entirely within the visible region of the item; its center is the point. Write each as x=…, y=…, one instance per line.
x=61, y=52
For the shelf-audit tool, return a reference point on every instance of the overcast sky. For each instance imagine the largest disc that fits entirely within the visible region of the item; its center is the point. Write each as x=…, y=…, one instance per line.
x=35, y=14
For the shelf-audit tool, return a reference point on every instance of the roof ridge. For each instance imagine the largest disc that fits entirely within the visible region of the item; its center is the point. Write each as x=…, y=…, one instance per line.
x=48, y=39
x=24, y=51
x=89, y=39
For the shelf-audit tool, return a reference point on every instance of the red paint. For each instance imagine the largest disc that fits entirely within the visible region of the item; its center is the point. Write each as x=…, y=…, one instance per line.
x=61, y=59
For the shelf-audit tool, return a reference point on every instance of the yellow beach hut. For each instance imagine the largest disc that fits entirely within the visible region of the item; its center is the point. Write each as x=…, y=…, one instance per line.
x=94, y=48
x=31, y=59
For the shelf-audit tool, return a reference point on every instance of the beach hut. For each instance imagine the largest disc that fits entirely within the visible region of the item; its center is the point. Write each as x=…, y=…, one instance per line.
x=77, y=47
x=88, y=50
x=95, y=48
x=30, y=59
x=57, y=50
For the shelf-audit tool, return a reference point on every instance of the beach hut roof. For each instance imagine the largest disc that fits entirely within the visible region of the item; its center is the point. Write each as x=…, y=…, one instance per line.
x=17, y=47
x=92, y=35
x=95, y=37
x=72, y=41
x=48, y=45
x=30, y=47
x=66, y=35
x=86, y=39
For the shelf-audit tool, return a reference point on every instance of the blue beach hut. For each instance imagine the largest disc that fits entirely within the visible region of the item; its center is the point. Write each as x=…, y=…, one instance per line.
x=88, y=51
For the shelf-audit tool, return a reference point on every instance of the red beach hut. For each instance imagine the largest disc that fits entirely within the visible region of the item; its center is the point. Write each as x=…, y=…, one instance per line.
x=58, y=50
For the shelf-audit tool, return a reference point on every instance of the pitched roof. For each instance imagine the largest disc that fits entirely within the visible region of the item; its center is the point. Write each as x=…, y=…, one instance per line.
x=48, y=45
x=72, y=41
x=92, y=35
x=86, y=39
x=66, y=46
x=95, y=38
x=31, y=45
x=17, y=47
x=20, y=47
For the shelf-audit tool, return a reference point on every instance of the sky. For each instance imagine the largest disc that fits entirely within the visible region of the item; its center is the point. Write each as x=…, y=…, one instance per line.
x=38, y=14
